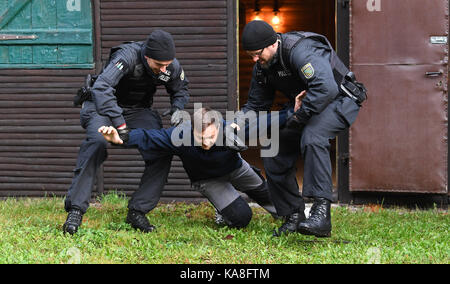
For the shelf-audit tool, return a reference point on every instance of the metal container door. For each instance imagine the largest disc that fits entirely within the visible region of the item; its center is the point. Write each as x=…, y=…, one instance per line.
x=399, y=50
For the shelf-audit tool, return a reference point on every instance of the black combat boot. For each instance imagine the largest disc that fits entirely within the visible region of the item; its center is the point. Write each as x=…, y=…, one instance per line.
x=73, y=221
x=291, y=223
x=319, y=221
x=138, y=221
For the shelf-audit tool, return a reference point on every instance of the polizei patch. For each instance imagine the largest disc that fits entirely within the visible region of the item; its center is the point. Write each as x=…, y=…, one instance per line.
x=308, y=71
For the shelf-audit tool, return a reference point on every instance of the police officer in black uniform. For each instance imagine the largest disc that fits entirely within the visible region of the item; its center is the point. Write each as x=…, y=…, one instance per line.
x=122, y=96
x=291, y=63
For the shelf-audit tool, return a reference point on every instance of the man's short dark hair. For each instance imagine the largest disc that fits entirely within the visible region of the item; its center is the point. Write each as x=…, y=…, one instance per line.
x=204, y=117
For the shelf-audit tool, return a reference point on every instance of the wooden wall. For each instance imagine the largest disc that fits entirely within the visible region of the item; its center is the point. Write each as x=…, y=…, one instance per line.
x=40, y=129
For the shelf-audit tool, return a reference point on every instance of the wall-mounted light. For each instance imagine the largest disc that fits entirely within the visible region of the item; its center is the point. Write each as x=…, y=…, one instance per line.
x=256, y=11
x=276, y=11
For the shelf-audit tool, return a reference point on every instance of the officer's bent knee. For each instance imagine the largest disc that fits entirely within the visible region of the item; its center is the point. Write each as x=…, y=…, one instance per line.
x=309, y=138
x=98, y=142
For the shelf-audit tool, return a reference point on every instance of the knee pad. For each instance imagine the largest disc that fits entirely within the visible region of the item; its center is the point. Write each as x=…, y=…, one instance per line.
x=238, y=214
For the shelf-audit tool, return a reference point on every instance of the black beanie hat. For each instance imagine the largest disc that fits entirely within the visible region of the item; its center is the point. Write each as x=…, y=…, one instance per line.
x=160, y=46
x=258, y=35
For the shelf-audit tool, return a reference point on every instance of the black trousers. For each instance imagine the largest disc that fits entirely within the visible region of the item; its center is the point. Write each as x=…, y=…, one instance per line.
x=313, y=143
x=93, y=153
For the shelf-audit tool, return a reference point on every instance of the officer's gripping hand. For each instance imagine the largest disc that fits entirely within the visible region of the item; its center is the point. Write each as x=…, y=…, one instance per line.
x=293, y=123
x=232, y=140
x=112, y=135
x=176, y=117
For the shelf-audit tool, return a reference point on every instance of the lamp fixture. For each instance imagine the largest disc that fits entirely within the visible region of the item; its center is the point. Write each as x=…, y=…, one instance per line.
x=276, y=18
x=256, y=10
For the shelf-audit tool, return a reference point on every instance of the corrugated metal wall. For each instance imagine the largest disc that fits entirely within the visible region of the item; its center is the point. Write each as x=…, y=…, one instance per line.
x=41, y=131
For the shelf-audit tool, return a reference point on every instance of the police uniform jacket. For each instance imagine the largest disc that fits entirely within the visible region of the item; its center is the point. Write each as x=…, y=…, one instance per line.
x=305, y=66
x=128, y=82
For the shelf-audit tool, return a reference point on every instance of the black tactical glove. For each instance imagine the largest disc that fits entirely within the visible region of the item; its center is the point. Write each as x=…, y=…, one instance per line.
x=124, y=134
x=232, y=140
x=176, y=116
x=294, y=123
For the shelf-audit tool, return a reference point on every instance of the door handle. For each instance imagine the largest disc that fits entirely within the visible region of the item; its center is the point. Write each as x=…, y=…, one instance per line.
x=434, y=74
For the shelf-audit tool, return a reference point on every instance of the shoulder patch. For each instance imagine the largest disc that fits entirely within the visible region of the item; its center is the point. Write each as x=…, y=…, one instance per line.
x=182, y=75
x=308, y=71
x=121, y=65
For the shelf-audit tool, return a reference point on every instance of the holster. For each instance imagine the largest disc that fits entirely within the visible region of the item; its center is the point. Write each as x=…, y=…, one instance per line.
x=84, y=93
x=354, y=89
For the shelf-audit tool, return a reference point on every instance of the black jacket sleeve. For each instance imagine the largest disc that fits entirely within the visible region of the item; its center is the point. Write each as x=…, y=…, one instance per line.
x=157, y=140
x=260, y=95
x=177, y=87
x=311, y=62
x=103, y=89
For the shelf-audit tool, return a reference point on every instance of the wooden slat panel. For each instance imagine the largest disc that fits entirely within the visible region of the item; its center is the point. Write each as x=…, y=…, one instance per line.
x=199, y=30
x=123, y=5
x=165, y=12
x=42, y=134
x=177, y=17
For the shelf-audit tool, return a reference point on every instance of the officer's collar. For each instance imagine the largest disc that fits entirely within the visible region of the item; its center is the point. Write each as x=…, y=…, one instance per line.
x=147, y=67
x=280, y=51
x=278, y=54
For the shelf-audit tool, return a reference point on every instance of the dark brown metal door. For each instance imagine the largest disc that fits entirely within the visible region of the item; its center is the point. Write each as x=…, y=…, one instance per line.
x=399, y=50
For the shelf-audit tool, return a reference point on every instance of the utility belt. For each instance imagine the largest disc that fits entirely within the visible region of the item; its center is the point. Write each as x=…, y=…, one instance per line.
x=353, y=89
x=134, y=106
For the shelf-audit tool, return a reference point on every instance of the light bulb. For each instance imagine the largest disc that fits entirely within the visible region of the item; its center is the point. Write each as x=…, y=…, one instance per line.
x=275, y=20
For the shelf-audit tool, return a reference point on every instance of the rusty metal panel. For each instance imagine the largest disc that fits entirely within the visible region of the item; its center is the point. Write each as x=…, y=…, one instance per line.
x=399, y=141
x=399, y=33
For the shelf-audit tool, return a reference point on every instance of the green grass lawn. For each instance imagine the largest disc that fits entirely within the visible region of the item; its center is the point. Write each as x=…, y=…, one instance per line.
x=30, y=232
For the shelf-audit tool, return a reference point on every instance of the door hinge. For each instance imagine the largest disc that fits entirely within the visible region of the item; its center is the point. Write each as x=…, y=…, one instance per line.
x=17, y=37
x=344, y=157
x=438, y=40
x=344, y=3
